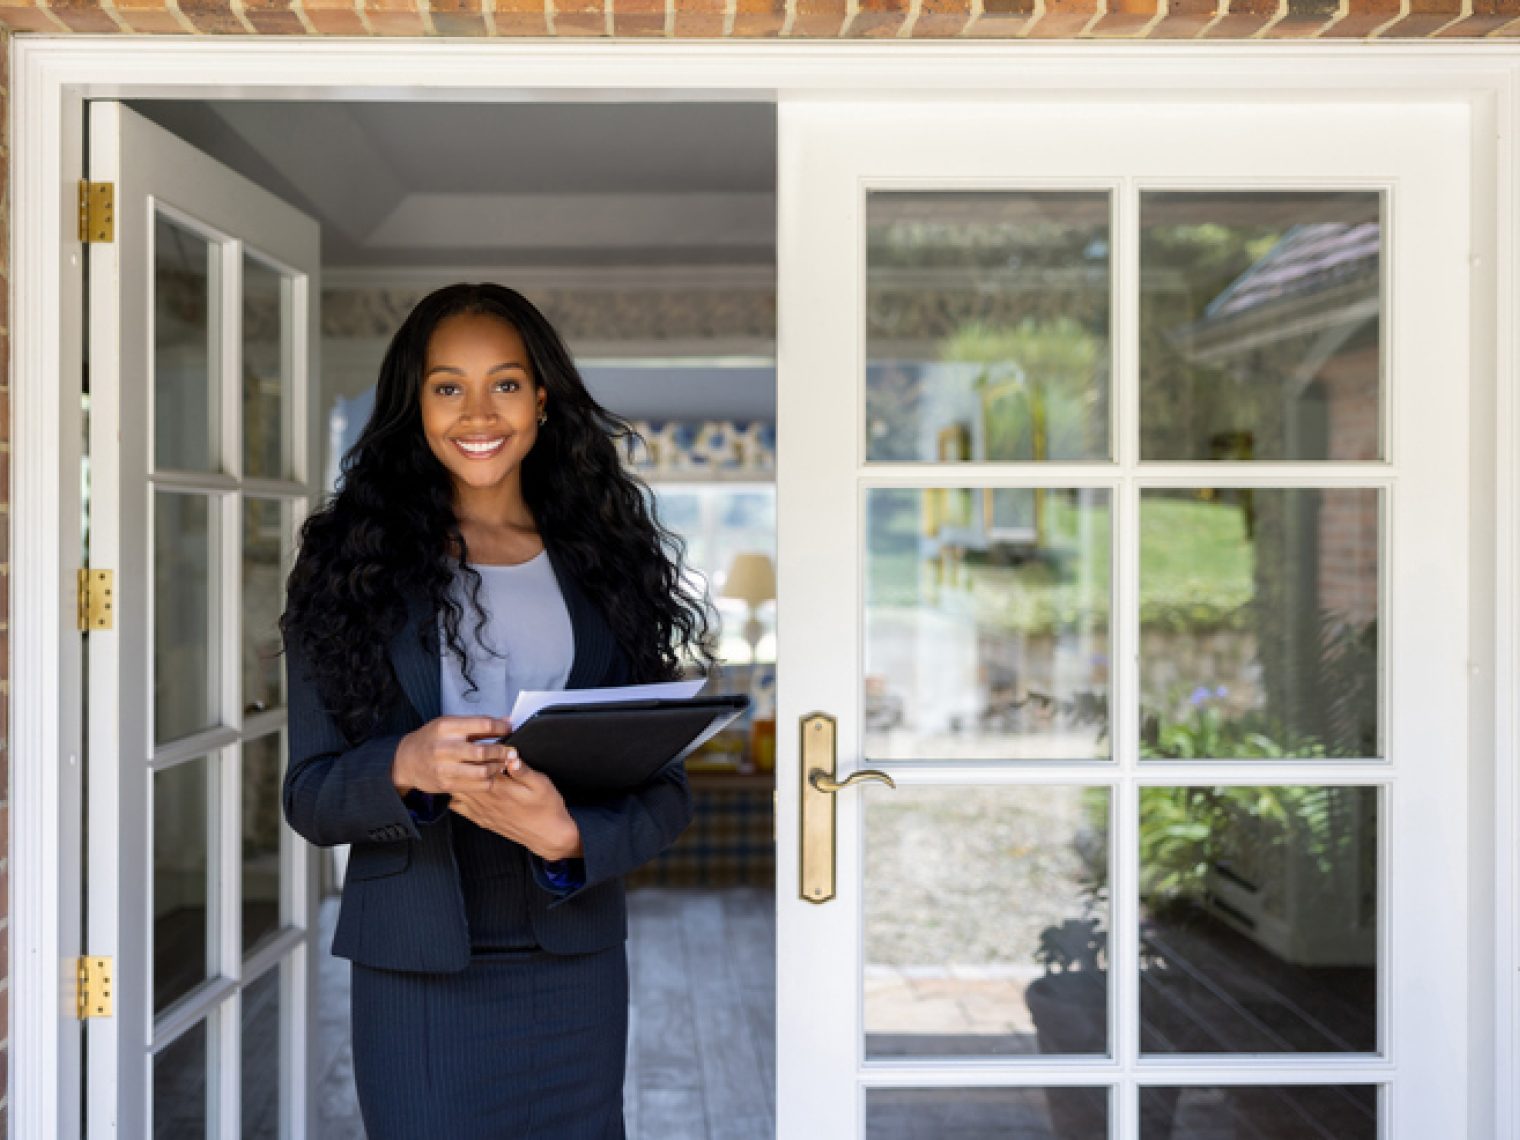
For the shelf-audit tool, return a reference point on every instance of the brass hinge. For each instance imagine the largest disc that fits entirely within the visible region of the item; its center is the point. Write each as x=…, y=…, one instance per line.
x=97, y=211
x=94, y=981
x=95, y=599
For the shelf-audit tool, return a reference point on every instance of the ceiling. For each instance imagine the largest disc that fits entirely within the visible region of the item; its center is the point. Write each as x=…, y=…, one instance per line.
x=417, y=185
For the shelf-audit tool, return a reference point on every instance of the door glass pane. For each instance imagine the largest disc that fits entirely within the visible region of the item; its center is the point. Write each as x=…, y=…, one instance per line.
x=987, y=1114
x=1262, y=1112
x=183, y=803
x=986, y=624
x=180, y=1104
x=267, y=356
x=263, y=768
x=185, y=615
x=1258, y=919
x=262, y=1039
x=1259, y=623
x=267, y=540
x=186, y=353
x=986, y=920
x=1259, y=325
x=987, y=325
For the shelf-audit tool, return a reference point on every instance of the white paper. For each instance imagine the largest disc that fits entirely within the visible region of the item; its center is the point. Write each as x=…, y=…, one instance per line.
x=530, y=701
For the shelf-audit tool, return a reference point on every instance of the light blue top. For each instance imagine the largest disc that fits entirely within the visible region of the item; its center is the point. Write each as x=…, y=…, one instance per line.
x=526, y=620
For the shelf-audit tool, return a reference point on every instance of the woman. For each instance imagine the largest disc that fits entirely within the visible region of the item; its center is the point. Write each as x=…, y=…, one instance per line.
x=483, y=915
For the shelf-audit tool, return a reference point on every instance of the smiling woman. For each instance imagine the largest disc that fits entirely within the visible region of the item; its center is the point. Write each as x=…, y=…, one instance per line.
x=484, y=915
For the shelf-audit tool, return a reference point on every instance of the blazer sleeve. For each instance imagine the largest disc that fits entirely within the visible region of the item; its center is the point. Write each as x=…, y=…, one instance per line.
x=335, y=792
x=624, y=832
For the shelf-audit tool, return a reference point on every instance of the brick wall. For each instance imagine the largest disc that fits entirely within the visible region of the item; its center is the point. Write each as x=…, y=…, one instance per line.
x=734, y=19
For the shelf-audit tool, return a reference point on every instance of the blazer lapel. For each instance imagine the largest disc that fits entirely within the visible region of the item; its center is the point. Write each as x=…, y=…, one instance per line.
x=417, y=670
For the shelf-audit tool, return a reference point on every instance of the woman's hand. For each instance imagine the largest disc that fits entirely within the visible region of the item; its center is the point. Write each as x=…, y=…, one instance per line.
x=443, y=756
x=525, y=806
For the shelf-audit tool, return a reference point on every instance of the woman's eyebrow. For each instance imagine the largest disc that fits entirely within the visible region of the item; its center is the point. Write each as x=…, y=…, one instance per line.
x=460, y=371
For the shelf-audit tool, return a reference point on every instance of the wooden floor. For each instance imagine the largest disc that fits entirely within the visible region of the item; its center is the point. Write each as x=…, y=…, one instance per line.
x=702, y=1026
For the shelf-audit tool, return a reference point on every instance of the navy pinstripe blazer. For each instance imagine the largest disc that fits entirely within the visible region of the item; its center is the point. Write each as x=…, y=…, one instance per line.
x=402, y=907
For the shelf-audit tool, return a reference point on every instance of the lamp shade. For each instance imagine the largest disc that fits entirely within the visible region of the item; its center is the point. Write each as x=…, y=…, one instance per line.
x=751, y=577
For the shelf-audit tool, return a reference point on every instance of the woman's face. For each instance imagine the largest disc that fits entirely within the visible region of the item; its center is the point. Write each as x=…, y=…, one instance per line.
x=480, y=402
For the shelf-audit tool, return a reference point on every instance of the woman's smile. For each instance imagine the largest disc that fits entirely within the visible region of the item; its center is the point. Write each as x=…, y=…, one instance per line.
x=477, y=447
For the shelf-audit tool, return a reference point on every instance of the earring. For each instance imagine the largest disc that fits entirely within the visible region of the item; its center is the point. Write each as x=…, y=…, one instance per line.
x=543, y=418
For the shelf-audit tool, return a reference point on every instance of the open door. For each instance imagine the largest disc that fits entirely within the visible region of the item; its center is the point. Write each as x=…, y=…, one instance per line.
x=200, y=907
x=1123, y=527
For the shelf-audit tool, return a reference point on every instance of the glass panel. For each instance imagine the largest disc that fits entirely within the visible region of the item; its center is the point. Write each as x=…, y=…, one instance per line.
x=263, y=768
x=185, y=350
x=183, y=802
x=987, y=1114
x=266, y=370
x=1259, y=325
x=180, y=1105
x=986, y=921
x=986, y=624
x=1259, y=623
x=184, y=615
x=1258, y=919
x=267, y=538
x=261, y=1056
x=987, y=325
x=1260, y=1112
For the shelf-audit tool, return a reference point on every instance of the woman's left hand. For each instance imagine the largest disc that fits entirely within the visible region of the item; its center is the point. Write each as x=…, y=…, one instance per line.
x=524, y=805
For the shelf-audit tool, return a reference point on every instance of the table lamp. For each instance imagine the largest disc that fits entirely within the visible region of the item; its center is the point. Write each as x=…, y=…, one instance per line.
x=752, y=579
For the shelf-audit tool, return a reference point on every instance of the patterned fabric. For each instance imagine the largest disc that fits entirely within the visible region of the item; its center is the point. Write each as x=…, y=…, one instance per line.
x=730, y=842
x=727, y=447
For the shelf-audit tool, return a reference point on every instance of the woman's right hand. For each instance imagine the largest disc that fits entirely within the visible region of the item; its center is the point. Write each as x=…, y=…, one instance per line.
x=443, y=755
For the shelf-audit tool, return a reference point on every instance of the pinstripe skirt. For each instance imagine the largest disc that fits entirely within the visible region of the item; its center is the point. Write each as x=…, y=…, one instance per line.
x=520, y=1045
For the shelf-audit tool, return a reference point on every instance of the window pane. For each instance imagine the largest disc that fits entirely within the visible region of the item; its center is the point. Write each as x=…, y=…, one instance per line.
x=987, y=325
x=180, y=1104
x=986, y=920
x=1262, y=1112
x=987, y=1114
x=1259, y=325
x=1258, y=919
x=267, y=541
x=263, y=769
x=262, y=1039
x=267, y=405
x=1259, y=623
x=986, y=624
x=183, y=802
x=185, y=615
x=186, y=353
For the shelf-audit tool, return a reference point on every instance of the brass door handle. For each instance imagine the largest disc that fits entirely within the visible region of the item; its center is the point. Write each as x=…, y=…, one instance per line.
x=819, y=807
x=826, y=783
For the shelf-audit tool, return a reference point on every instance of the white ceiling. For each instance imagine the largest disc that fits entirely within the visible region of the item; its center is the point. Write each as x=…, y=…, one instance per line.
x=404, y=185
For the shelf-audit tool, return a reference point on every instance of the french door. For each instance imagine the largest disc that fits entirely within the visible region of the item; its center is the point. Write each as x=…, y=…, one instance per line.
x=1123, y=530
x=202, y=325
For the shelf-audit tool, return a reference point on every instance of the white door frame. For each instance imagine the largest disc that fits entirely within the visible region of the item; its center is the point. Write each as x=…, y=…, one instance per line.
x=51, y=76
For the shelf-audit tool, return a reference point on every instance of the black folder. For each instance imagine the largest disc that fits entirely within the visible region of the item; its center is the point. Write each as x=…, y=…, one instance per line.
x=592, y=751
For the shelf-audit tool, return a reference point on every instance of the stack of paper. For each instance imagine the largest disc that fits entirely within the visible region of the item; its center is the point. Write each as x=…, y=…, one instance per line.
x=530, y=701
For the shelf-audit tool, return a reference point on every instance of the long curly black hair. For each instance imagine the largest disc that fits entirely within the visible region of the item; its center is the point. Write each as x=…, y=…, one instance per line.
x=390, y=527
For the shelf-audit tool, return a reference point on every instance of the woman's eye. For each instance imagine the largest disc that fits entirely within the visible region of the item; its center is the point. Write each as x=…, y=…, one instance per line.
x=438, y=389
x=509, y=385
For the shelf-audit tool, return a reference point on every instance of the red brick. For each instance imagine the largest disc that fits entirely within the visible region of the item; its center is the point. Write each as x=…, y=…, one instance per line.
x=1243, y=18
x=1184, y=19
x=938, y=18
x=1125, y=17
x=580, y=24
x=1425, y=16
x=819, y=18
x=1002, y=18
x=335, y=21
x=404, y=23
x=1305, y=18
x=1363, y=16
x=758, y=18
x=29, y=18
x=878, y=19
x=84, y=16
x=698, y=25
x=1063, y=19
x=213, y=17
x=153, y=21
x=511, y=23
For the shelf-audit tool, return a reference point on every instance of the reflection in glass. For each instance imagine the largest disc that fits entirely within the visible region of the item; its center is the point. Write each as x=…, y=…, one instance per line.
x=182, y=804
x=261, y=1056
x=1258, y=919
x=267, y=538
x=180, y=1108
x=185, y=349
x=986, y=624
x=987, y=1114
x=184, y=615
x=987, y=325
x=1259, y=325
x=267, y=405
x=985, y=925
x=1262, y=1112
x=1259, y=623
x=263, y=769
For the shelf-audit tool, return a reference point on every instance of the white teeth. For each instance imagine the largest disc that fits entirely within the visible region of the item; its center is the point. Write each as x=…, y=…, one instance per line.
x=480, y=448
